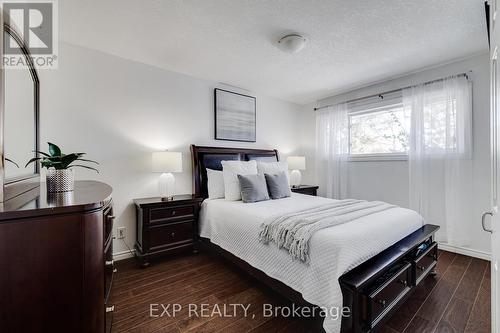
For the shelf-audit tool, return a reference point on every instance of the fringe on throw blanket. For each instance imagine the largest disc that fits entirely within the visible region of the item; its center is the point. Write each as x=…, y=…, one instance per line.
x=292, y=231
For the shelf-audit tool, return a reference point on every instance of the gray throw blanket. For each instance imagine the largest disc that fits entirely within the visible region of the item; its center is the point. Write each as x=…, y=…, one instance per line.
x=292, y=231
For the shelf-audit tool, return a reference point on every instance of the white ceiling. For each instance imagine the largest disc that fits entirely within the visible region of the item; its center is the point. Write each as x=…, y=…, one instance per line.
x=351, y=43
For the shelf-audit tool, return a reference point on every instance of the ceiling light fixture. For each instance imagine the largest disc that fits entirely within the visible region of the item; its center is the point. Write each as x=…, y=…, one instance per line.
x=292, y=43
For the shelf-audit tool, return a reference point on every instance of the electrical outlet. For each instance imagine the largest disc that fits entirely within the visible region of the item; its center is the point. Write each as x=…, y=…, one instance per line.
x=121, y=233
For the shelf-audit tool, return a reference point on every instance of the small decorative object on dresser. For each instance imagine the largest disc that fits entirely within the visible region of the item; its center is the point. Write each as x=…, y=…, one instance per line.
x=60, y=177
x=166, y=162
x=165, y=227
x=306, y=189
x=296, y=163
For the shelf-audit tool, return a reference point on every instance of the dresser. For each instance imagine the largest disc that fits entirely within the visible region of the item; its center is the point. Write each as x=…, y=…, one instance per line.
x=56, y=260
x=166, y=227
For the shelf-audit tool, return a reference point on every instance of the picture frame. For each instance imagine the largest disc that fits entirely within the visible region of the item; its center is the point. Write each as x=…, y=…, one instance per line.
x=235, y=116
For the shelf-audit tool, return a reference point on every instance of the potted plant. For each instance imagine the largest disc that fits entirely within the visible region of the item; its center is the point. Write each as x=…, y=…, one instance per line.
x=60, y=176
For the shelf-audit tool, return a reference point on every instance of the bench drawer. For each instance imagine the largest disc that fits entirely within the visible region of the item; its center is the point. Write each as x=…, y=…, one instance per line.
x=424, y=263
x=385, y=296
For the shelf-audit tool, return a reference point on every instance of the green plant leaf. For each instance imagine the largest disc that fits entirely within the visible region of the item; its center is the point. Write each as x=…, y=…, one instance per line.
x=84, y=166
x=85, y=160
x=54, y=150
x=54, y=159
x=47, y=164
x=33, y=160
x=41, y=153
x=11, y=161
x=66, y=160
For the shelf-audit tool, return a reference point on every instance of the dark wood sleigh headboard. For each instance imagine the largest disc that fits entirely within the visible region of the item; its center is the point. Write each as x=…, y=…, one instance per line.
x=204, y=158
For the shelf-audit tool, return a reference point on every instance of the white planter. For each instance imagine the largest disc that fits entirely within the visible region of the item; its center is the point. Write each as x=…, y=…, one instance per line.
x=60, y=180
x=55, y=199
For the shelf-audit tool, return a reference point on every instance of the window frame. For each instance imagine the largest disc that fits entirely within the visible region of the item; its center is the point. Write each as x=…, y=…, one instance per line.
x=377, y=157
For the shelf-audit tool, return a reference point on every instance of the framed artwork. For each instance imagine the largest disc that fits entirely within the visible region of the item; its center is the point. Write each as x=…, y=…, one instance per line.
x=235, y=116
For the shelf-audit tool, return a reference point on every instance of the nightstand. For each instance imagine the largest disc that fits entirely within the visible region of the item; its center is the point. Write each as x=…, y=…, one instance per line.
x=165, y=227
x=306, y=189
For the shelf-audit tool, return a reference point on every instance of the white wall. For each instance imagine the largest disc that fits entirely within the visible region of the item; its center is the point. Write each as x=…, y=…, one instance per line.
x=120, y=111
x=388, y=180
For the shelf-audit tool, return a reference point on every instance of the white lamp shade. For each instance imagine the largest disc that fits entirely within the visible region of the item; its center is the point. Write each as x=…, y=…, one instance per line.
x=296, y=162
x=167, y=161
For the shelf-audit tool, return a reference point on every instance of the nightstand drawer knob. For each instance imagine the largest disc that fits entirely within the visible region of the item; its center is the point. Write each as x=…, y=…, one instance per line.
x=173, y=234
x=173, y=213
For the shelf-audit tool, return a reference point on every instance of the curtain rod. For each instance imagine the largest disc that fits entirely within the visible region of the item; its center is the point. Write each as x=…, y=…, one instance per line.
x=392, y=91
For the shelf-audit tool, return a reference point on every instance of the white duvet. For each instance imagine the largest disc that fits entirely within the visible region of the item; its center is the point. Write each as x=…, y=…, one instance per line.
x=235, y=226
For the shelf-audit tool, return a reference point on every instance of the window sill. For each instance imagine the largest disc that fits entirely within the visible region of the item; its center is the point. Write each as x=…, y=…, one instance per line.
x=378, y=158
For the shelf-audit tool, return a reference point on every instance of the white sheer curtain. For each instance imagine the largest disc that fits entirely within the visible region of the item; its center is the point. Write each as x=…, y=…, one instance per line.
x=332, y=148
x=440, y=166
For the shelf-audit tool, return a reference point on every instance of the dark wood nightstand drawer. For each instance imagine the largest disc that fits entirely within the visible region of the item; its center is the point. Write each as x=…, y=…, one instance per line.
x=166, y=214
x=171, y=234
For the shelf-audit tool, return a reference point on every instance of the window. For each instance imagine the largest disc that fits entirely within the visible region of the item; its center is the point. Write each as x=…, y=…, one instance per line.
x=382, y=131
x=379, y=127
x=440, y=126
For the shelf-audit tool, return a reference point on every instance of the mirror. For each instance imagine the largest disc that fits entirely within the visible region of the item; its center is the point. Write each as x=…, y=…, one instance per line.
x=19, y=130
x=21, y=119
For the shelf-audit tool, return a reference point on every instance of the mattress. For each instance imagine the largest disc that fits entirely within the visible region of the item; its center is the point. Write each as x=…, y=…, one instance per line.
x=234, y=226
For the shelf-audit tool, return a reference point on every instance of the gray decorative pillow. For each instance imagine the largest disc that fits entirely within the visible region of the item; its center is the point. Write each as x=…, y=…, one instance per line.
x=277, y=185
x=253, y=188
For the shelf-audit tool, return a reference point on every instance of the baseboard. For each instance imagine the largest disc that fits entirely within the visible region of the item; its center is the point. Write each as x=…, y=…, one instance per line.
x=450, y=248
x=465, y=251
x=117, y=256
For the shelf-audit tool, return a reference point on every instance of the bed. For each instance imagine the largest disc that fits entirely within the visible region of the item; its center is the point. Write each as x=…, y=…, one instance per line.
x=352, y=265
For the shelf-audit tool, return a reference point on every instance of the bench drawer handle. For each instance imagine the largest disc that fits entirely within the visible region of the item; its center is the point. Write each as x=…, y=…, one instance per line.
x=403, y=282
x=382, y=302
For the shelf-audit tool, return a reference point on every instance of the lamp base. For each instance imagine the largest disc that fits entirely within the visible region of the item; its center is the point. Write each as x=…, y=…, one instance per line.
x=295, y=178
x=166, y=186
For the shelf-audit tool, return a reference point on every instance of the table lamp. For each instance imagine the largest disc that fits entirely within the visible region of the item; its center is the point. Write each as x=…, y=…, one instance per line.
x=296, y=163
x=167, y=162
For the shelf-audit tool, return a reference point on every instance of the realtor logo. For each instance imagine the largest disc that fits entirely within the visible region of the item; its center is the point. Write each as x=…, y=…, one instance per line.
x=35, y=23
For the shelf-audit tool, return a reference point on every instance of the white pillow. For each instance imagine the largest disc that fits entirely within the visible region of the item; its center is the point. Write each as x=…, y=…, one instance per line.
x=274, y=168
x=215, y=184
x=230, y=171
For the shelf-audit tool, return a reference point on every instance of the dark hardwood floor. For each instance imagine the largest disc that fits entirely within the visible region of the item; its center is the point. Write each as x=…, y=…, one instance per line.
x=457, y=299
